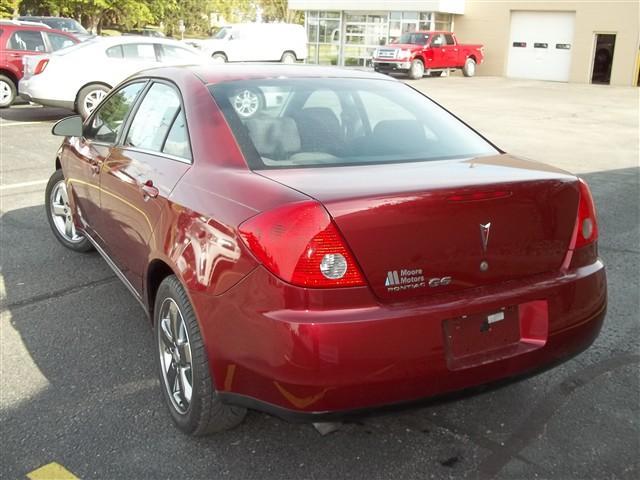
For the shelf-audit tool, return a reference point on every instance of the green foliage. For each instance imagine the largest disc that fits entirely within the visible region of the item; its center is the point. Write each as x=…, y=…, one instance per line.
x=7, y=8
x=138, y=13
x=278, y=11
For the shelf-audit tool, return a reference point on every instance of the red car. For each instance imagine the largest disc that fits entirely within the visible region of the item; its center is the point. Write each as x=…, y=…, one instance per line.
x=18, y=39
x=350, y=244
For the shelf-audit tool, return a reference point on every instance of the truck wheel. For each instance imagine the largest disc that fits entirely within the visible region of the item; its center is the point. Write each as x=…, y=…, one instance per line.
x=417, y=69
x=288, y=57
x=7, y=91
x=469, y=69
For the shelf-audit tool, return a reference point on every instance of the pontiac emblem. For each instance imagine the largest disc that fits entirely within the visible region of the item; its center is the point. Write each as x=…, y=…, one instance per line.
x=484, y=236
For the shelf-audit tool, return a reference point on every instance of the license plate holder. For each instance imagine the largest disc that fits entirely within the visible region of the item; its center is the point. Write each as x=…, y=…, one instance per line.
x=480, y=338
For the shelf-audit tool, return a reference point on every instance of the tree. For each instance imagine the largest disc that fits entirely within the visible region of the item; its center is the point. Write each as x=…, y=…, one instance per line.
x=7, y=8
x=278, y=11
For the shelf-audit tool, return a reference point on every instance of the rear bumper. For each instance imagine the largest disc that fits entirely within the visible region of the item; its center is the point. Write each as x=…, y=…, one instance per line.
x=342, y=351
x=31, y=92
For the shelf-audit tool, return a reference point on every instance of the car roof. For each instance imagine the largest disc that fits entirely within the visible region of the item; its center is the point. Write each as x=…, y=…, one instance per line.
x=221, y=73
x=9, y=25
x=44, y=16
x=120, y=39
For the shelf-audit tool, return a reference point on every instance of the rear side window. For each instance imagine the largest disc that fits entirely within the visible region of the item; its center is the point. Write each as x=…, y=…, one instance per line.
x=170, y=53
x=110, y=115
x=139, y=51
x=158, y=125
x=115, y=52
x=449, y=39
x=27, y=40
x=59, y=42
x=177, y=142
x=341, y=121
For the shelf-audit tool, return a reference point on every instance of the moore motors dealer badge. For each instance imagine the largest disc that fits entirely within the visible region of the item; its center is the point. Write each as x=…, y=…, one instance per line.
x=405, y=279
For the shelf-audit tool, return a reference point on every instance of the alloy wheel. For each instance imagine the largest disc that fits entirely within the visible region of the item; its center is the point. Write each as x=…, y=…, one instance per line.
x=5, y=93
x=92, y=100
x=175, y=355
x=61, y=213
x=246, y=103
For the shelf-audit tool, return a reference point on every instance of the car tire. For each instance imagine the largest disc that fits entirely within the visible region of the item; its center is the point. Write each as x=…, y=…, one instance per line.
x=469, y=69
x=179, y=340
x=89, y=98
x=288, y=57
x=60, y=216
x=219, y=57
x=8, y=91
x=417, y=69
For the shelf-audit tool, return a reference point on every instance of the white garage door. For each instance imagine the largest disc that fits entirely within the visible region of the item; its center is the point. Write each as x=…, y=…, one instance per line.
x=540, y=45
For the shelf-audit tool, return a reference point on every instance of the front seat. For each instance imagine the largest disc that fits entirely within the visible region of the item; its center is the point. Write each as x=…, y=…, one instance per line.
x=319, y=130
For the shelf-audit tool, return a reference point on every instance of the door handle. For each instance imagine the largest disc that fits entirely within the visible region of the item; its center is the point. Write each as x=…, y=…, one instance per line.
x=148, y=190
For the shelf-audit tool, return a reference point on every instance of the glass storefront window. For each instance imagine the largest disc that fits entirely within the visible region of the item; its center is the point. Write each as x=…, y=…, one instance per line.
x=355, y=18
x=329, y=31
x=312, y=31
x=357, y=56
x=443, y=21
x=425, y=21
x=328, y=54
x=312, y=53
x=363, y=32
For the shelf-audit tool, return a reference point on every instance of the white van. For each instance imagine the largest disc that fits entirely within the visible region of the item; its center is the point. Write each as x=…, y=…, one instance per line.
x=257, y=42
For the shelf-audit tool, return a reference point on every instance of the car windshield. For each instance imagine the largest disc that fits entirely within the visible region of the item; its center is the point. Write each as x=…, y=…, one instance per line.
x=220, y=34
x=313, y=122
x=65, y=24
x=414, y=38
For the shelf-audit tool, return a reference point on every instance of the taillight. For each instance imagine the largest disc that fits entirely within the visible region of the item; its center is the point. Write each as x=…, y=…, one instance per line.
x=42, y=64
x=300, y=244
x=587, y=223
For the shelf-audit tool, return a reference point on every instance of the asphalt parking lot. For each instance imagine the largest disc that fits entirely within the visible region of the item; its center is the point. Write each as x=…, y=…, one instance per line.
x=78, y=383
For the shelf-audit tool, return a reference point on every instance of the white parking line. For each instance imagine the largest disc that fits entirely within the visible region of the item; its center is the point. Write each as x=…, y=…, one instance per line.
x=15, y=124
x=12, y=186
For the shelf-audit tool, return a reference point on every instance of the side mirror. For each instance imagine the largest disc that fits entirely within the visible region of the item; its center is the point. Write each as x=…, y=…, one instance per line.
x=68, y=127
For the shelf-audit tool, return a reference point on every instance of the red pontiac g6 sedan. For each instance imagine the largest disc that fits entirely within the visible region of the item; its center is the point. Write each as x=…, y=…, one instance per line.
x=311, y=241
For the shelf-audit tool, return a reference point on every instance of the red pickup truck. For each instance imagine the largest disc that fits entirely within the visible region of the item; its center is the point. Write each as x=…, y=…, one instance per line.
x=417, y=53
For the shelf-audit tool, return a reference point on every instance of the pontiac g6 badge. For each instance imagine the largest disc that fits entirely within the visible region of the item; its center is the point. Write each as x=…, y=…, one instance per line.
x=485, y=229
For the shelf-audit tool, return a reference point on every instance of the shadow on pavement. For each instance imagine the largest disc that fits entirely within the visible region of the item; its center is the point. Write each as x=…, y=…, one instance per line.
x=33, y=113
x=84, y=360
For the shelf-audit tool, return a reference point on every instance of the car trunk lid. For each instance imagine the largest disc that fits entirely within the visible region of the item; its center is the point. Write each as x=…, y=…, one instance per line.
x=418, y=229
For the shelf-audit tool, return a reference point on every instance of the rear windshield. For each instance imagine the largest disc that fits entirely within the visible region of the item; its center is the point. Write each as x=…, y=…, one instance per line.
x=311, y=122
x=65, y=24
x=78, y=46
